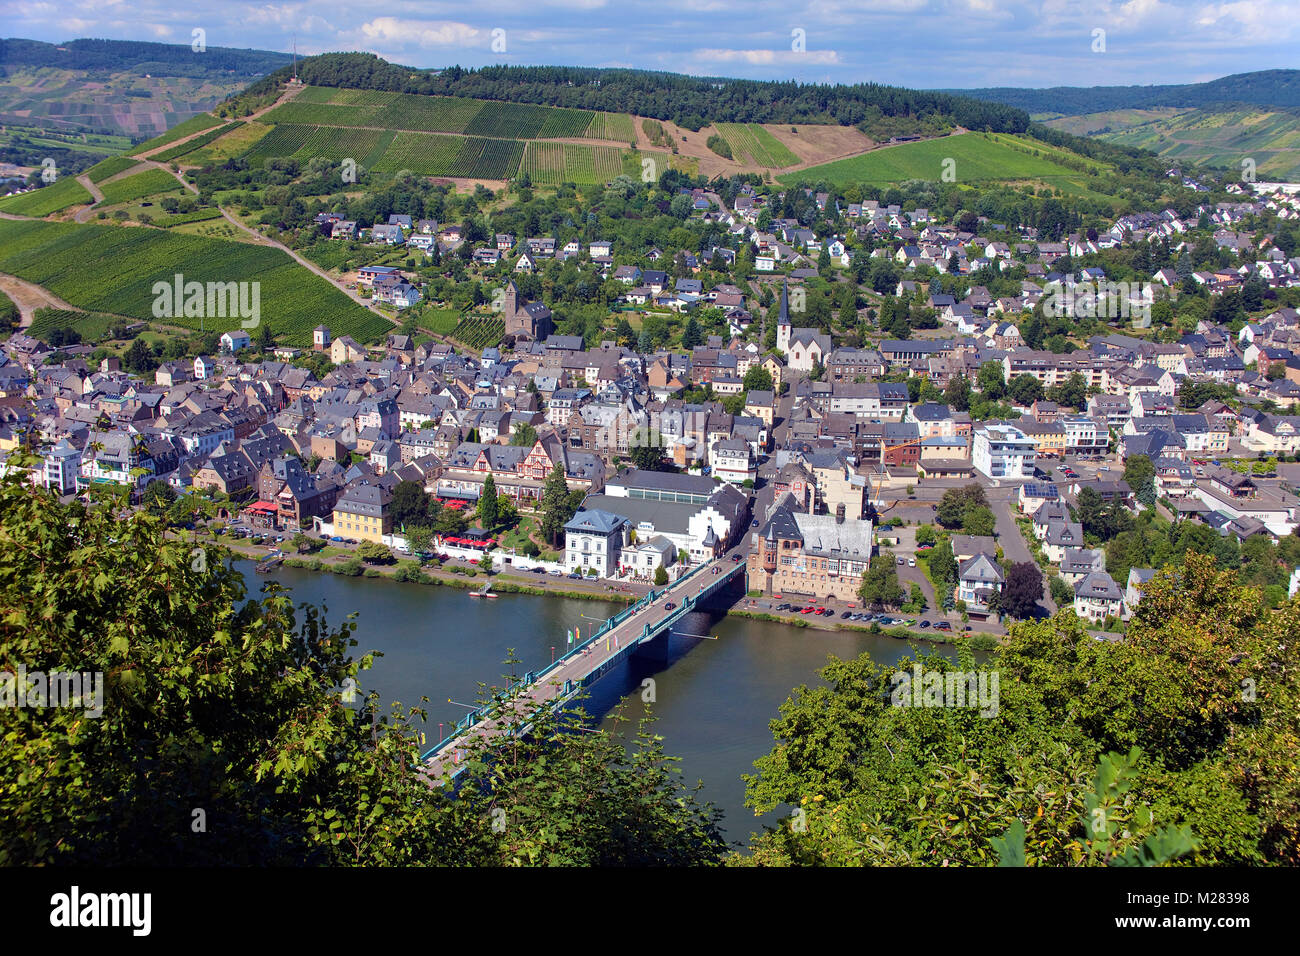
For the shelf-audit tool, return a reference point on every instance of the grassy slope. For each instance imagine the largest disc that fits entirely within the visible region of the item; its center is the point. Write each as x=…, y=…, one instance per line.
x=1222, y=137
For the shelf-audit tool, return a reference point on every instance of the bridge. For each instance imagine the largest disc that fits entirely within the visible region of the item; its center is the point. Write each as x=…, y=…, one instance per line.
x=608, y=646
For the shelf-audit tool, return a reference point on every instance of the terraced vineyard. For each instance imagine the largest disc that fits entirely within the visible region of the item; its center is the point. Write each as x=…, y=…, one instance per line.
x=195, y=124
x=57, y=196
x=235, y=143
x=364, y=146
x=612, y=126
x=282, y=141
x=754, y=146
x=481, y=158
x=198, y=142
x=549, y=164
x=478, y=332
x=139, y=185
x=110, y=167
x=428, y=154
x=112, y=269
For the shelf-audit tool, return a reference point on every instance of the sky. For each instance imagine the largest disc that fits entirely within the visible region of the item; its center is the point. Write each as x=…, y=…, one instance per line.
x=926, y=44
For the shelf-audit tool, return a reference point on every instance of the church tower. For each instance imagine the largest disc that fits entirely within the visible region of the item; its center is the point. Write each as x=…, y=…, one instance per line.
x=783, y=321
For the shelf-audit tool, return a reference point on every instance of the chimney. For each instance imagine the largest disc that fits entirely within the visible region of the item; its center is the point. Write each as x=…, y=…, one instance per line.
x=839, y=514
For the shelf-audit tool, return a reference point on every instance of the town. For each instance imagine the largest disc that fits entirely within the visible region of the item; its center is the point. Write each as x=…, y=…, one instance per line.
x=989, y=466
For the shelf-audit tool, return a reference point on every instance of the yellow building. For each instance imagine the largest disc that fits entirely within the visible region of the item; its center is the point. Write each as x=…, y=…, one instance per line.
x=364, y=513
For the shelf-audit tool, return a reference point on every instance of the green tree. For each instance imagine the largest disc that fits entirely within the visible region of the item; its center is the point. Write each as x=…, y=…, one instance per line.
x=1139, y=475
x=978, y=520
x=957, y=393
x=525, y=436
x=1025, y=390
x=661, y=576
x=372, y=552
x=991, y=380
x=880, y=585
x=410, y=504
x=691, y=335
x=556, y=505
x=758, y=379
x=487, y=504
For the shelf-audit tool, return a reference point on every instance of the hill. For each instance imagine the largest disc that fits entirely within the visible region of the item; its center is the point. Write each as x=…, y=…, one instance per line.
x=1268, y=88
x=1217, y=137
x=119, y=88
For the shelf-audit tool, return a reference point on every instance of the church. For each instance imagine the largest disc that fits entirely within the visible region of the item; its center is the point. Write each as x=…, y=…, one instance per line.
x=530, y=321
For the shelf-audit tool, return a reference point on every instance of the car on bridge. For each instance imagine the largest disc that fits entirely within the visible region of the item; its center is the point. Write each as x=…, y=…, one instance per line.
x=669, y=606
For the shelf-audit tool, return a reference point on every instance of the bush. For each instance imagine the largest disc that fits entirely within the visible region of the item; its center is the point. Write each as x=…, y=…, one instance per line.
x=350, y=569
x=661, y=576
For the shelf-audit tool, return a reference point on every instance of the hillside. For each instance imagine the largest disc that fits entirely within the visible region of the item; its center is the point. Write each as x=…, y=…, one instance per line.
x=119, y=88
x=1218, y=137
x=1269, y=88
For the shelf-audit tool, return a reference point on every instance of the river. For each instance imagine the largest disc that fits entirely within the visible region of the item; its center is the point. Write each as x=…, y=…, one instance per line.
x=713, y=698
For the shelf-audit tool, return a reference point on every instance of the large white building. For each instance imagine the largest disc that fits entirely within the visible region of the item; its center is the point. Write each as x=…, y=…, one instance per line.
x=594, y=539
x=1003, y=451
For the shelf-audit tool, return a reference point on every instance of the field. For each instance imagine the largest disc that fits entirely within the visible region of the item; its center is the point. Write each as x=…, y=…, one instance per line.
x=975, y=158
x=139, y=185
x=232, y=144
x=478, y=332
x=93, y=326
x=110, y=167
x=60, y=194
x=754, y=146
x=549, y=164
x=180, y=219
x=181, y=149
x=113, y=269
x=281, y=142
x=440, y=321
x=195, y=124
x=612, y=126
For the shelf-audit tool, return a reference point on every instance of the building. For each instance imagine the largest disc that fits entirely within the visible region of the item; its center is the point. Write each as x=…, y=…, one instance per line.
x=1004, y=452
x=823, y=556
x=594, y=539
x=978, y=579
x=235, y=340
x=364, y=512
x=1097, y=597
x=62, y=466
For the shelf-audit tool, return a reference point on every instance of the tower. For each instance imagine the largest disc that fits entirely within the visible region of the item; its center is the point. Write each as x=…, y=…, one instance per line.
x=783, y=320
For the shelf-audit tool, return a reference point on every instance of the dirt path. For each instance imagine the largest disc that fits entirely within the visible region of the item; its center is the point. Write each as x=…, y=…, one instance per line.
x=29, y=297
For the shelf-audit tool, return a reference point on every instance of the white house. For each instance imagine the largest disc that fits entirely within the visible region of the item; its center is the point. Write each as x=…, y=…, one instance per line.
x=594, y=539
x=1003, y=451
x=235, y=340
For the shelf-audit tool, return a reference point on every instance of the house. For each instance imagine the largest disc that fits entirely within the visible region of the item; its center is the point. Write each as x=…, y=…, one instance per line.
x=364, y=512
x=232, y=342
x=732, y=460
x=1097, y=597
x=1034, y=494
x=594, y=540
x=1137, y=577
x=1078, y=563
x=1060, y=537
x=978, y=579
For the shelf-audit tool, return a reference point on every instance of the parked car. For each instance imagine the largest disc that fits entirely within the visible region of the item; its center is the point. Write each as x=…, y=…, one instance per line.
x=901, y=562
x=846, y=615
x=911, y=562
x=925, y=624
x=754, y=523
x=943, y=626
x=337, y=538
x=575, y=576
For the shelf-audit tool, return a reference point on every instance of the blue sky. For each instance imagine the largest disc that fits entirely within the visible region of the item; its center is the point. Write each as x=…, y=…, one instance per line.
x=917, y=43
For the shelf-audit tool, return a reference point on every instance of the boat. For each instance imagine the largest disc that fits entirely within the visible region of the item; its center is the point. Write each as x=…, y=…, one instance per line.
x=270, y=564
x=486, y=592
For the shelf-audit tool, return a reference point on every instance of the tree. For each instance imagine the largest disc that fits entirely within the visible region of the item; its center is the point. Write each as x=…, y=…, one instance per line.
x=556, y=505
x=1072, y=392
x=1075, y=719
x=925, y=534
x=485, y=563
x=880, y=585
x=410, y=504
x=691, y=335
x=991, y=380
x=758, y=379
x=450, y=523
x=1062, y=593
x=288, y=771
x=648, y=455
x=952, y=507
x=978, y=520
x=1139, y=475
x=957, y=393
x=661, y=576
x=487, y=504
x=158, y=497
x=1022, y=590
x=1025, y=390
x=419, y=538
x=372, y=552
x=525, y=436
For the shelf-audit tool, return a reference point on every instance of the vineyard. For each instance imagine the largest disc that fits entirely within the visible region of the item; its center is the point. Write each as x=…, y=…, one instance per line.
x=281, y=142
x=612, y=126
x=93, y=326
x=364, y=146
x=428, y=154
x=441, y=321
x=754, y=146
x=549, y=164
x=235, y=143
x=481, y=158
x=60, y=194
x=111, y=269
x=658, y=135
x=110, y=167
x=195, y=124
x=139, y=185
x=198, y=215
x=478, y=332
x=189, y=146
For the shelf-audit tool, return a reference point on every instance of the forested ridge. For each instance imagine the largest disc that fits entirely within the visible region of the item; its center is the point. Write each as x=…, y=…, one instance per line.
x=691, y=102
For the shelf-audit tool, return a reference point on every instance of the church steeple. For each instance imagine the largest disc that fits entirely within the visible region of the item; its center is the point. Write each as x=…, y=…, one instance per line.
x=784, y=318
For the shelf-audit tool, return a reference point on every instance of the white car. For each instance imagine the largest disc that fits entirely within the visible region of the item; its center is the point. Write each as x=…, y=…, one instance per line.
x=911, y=562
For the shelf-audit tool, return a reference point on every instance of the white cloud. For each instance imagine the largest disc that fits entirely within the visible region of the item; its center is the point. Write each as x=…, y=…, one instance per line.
x=767, y=57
